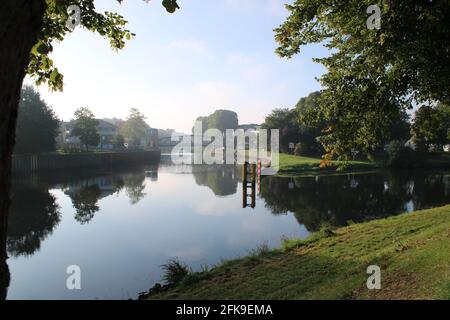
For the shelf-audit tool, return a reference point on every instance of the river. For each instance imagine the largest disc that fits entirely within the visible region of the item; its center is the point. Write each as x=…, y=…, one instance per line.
x=119, y=227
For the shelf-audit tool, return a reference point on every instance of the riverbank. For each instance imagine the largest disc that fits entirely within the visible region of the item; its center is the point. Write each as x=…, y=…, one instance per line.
x=412, y=250
x=48, y=162
x=291, y=165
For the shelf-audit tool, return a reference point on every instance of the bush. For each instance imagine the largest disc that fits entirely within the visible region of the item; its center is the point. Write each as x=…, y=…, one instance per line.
x=174, y=271
x=302, y=149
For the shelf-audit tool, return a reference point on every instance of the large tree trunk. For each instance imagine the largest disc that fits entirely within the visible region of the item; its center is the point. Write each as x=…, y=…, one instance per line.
x=20, y=25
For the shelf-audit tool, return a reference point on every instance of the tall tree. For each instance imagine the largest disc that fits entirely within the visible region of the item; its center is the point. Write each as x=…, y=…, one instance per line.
x=374, y=71
x=37, y=125
x=310, y=126
x=85, y=128
x=135, y=129
x=27, y=31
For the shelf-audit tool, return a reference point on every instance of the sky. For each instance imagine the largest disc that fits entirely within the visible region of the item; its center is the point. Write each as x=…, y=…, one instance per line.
x=208, y=55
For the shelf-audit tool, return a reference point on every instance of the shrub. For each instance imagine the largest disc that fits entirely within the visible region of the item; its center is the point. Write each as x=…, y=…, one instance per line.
x=261, y=250
x=302, y=149
x=174, y=271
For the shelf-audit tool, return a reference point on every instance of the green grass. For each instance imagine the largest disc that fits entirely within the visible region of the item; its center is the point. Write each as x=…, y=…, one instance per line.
x=412, y=250
x=297, y=165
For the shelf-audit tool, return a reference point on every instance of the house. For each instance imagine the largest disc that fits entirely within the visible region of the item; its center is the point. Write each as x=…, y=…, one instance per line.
x=105, y=129
x=153, y=138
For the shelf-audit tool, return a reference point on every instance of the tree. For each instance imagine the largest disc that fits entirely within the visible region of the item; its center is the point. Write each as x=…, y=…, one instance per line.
x=284, y=120
x=28, y=30
x=374, y=74
x=204, y=122
x=222, y=120
x=118, y=141
x=432, y=126
x=37, y=125
x=310, y=126
x=85, y=128
x=135, y=129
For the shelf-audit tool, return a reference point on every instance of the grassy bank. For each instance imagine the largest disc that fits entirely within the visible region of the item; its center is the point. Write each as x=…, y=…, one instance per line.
x=412, y=250
x=297, y=165
x=291, y=165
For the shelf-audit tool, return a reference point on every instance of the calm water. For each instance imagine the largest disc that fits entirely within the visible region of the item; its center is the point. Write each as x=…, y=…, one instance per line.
x=120, y=226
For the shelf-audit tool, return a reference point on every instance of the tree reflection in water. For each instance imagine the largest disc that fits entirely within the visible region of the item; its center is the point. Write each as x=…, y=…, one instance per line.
x=356, y=197
x=222, y=180
x=34, y=213
x=85, y=194
x=32, y=218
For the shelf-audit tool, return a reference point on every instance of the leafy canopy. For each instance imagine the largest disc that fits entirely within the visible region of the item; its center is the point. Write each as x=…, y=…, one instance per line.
x=374, y=75
x=286, y=121
x=37, y=125
x=432, y=126
x=85, y=127
x=109, y=25
x=135, y=129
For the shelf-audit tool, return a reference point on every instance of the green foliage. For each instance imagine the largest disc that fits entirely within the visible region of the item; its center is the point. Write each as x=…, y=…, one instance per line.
x=85, y=128
x=432, y=126
x=109, y=25
x=174, y=271
x=118, y=141
x=260, y=251
x=303, y=149
x=373, y=75
x=204, y=122
x=310, y=125
x=135, y=129
x=222, y=120
x=401, y=156
x=284, y=120
x=37, y=125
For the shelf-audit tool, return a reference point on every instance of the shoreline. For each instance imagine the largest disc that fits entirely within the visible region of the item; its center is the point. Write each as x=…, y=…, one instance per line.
x=412, y=250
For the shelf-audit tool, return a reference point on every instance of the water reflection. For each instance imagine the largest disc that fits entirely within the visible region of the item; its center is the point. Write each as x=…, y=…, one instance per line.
x=178, y=216
x=359, y=197
x=222, y=180
x=313, y=201
x=33, y=216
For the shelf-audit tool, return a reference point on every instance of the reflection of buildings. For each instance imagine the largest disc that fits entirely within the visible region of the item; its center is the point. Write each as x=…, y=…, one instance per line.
x=152, y=174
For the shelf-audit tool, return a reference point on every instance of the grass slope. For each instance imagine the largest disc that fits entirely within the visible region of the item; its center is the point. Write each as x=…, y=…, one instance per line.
x=412, y=250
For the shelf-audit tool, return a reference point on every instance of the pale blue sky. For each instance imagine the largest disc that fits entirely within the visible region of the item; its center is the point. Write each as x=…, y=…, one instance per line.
x=209, y=55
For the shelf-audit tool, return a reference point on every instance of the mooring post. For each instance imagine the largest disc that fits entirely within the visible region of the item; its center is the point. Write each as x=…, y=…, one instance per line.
x=244, y=184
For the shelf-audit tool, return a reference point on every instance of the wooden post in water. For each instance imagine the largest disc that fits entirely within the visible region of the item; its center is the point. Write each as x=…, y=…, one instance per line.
x=244, y=185
x=249, y=184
